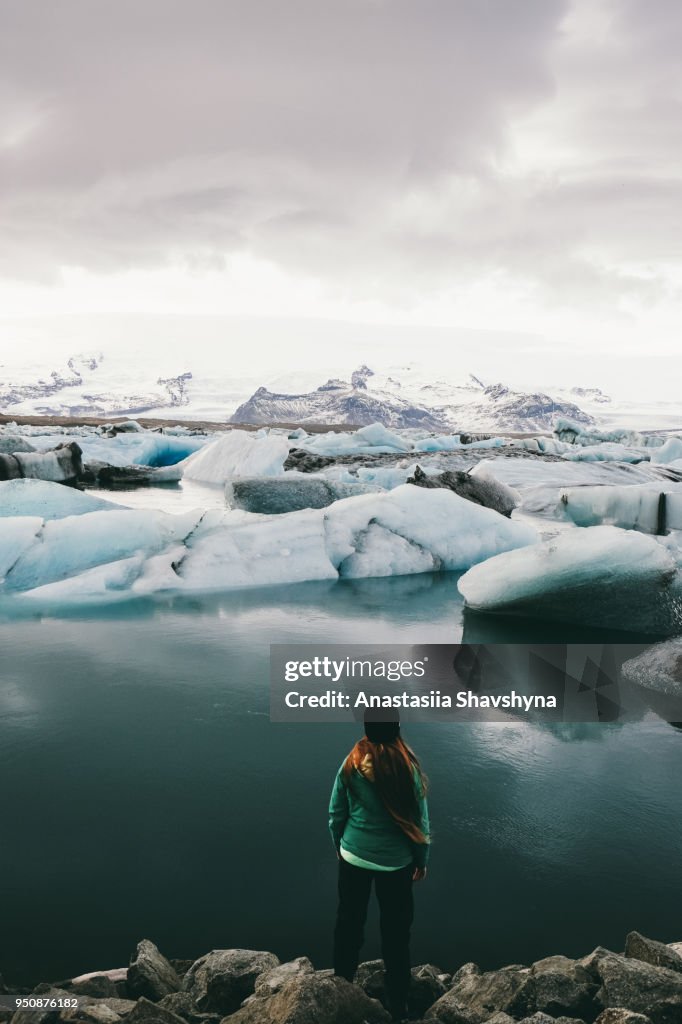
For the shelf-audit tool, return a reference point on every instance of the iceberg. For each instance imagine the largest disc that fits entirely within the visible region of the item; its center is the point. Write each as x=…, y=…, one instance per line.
x=238, y=453
x=17, y=536
x=67, y=547
x=601, y=575
x=47, y=500
x=145, y=449
x=275, y=495
x=649, y=507
x=669, y=452
x=110, y=555
x=658, y=668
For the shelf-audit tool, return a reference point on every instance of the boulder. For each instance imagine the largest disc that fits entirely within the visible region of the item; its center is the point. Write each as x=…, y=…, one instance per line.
x=638, y=947
x=312, y=999
x=619, y=1015
x=221, y=980
x=426, y=985
x=475, y=995
x=150, y=974
x=500, y=1018
x=147, y=1012
x=653, y=991
x=99, y=986
x=182, y=1005
x=99, y=1013
x=481, y=488
x=676, y=947
x=556, y=986
x=271, y=981
x=544, y=1018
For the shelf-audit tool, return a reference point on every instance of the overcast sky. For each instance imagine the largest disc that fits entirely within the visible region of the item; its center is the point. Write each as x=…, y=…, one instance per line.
x=500, y=179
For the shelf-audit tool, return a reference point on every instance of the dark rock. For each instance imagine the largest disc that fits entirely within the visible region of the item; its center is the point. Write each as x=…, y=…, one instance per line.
x=313, y=999
x=98, y=1013
x=288, y=493
x=147, y=1012
x=272, y=981
x=307, y=462
x=619, y=1015
x=99, y=986
x=481, y=490
x=474, y=995
x=654, y=991
x=426, y=985
x=182, y=1004
x=180, y=967
x=544, y=1018
x=556, y=986
x=45, y=1015
x=638, y=947
x=221, y=980
x=150, y=974
x=591, y=962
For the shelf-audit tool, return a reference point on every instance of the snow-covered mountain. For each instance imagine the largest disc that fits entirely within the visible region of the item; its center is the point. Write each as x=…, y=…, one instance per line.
x=406, y=395
x=399, y=398
x=84, y=388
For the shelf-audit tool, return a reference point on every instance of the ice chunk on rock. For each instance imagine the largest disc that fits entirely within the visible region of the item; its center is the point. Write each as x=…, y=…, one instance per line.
x=46, y=499
x=237, y=454
x=597, y=576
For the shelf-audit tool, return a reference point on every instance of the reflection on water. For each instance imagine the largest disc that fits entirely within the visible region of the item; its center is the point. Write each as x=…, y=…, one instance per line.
x=146, y=793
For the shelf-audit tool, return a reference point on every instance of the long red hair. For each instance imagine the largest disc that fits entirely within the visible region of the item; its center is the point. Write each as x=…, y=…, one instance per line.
x=398, y=778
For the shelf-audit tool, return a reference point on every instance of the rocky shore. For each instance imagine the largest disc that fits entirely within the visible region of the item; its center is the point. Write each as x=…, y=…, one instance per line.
x=642, y=985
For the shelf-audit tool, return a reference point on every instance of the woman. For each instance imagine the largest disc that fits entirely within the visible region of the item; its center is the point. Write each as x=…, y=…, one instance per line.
x=379, y=821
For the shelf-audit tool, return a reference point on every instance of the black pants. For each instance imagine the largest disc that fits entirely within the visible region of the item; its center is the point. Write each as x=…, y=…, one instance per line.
x=396, y=909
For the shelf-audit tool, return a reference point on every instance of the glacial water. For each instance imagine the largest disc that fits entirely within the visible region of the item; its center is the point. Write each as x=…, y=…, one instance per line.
x=145, y=793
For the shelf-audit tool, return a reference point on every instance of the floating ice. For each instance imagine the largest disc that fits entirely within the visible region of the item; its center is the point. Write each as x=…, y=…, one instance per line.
x=596, y=576
x=145, y=449
x=606, y=451
x=47, y=500
x=651, y=508
x=66, y=547
x=107, y=555
x=16, y=537
x=236, y=454
x=671, y=451
x=290, y=492
x=658, y=668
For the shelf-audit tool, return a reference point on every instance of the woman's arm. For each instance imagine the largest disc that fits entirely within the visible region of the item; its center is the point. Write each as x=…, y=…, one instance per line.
x=338, y=809
x=422, y=850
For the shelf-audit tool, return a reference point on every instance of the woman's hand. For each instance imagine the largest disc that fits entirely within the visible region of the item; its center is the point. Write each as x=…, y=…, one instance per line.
x=419, y=874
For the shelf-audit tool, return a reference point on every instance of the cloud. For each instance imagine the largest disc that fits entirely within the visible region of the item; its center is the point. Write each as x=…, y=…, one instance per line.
x=388, y=147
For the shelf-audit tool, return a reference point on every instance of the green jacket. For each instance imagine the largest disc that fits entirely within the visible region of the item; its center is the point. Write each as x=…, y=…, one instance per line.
x=357, y=815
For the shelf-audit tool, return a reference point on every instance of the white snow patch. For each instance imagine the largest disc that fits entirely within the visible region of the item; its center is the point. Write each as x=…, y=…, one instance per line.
x=237, y=453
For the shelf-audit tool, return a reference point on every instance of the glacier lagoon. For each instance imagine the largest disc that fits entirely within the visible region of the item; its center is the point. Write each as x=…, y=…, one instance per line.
x=146, y=793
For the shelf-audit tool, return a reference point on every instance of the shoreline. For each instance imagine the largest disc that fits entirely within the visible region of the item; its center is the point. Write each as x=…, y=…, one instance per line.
x=641, y=985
